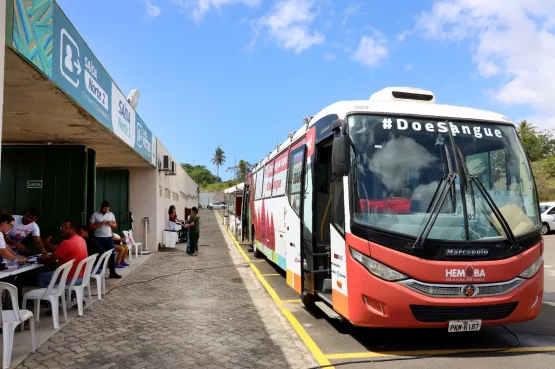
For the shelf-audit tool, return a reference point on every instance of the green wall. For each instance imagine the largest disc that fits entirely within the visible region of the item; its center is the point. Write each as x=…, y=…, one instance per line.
x=113, y=185
x=63, y=172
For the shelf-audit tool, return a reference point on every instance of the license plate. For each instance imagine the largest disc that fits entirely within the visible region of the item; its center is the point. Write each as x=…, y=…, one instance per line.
x=464, y=326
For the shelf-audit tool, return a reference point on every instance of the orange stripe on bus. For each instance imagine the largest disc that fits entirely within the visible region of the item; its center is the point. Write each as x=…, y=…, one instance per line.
x=340, y=303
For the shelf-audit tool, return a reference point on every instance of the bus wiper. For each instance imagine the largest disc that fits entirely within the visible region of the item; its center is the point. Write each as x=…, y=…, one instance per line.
x=463, y=181
x=504, y=224
x=437, y=201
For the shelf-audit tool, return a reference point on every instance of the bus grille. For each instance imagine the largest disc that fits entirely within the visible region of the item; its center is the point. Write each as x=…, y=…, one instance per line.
x=440, y=314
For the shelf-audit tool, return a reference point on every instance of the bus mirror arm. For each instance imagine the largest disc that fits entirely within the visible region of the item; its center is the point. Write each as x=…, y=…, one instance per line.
x=341, y=149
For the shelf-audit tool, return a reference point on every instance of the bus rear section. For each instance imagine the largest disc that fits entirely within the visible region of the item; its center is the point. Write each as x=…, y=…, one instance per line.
x=438, y=227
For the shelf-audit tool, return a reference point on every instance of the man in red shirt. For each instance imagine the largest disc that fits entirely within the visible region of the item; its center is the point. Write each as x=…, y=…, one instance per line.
x=73, y=247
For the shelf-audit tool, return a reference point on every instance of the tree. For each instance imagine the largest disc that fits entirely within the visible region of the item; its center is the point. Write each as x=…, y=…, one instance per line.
x=241, y=170
x=200, y=174
x=218, y=159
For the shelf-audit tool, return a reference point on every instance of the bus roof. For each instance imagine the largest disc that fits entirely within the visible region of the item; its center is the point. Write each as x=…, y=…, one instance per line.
x=395, y=101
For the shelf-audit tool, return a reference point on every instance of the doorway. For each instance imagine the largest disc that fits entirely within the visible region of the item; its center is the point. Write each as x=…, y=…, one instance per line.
x=113, y=185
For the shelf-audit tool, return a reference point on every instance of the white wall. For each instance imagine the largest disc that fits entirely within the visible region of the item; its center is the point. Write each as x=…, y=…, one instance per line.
x=143, y=196
x=180, y=184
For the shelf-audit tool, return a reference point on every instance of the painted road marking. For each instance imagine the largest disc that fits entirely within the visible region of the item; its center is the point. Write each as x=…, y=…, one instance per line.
x=371, y=354
x=271, y=275
x=305, y=337
x=290, y=301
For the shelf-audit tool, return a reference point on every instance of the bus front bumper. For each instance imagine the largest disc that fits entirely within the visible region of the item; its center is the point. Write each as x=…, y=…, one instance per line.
x=374, y=302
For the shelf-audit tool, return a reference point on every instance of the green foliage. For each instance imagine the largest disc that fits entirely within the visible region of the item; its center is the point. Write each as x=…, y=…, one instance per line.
x=218, y=159
x=200, y=174
x=220, y=186
x=540, y=148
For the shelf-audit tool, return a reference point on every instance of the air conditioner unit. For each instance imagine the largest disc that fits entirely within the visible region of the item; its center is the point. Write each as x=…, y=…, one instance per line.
x=173, y=166
x=165, y=163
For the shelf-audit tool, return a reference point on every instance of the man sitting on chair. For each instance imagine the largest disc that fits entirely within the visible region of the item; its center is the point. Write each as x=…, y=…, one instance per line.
x=73, y=247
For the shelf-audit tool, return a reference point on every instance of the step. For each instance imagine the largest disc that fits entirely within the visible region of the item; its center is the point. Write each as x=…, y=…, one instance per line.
x=327, y=310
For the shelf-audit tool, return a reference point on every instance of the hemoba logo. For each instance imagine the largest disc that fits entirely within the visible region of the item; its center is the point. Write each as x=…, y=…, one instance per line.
x=467, y=274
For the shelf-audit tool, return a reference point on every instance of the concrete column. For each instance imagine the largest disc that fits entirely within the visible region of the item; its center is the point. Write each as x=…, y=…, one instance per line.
x=2, y=56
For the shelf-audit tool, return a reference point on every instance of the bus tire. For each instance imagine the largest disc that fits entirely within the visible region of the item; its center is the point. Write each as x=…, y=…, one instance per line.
x=256, y=251
x=308, y=300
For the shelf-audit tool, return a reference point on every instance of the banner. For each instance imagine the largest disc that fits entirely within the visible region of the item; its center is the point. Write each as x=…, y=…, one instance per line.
x=77, y=71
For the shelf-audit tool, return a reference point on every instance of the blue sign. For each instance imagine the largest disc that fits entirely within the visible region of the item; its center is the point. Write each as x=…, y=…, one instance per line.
x=143, y=142
x=77, y=71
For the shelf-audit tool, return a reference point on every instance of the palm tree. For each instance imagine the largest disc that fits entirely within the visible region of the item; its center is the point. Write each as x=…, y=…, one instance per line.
x=244, y=167
x=218, y=160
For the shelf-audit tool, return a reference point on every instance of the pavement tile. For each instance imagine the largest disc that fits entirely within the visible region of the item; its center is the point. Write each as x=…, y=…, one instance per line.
x=178, y=311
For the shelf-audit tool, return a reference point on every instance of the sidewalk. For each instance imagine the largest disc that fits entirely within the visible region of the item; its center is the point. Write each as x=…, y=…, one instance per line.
x=180, y=311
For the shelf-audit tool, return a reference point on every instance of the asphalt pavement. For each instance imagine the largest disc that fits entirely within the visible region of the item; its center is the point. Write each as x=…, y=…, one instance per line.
x=345, y=346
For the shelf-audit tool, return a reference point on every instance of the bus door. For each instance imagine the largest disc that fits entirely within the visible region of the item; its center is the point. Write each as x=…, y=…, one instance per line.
x=293, y=216
x=245, y=223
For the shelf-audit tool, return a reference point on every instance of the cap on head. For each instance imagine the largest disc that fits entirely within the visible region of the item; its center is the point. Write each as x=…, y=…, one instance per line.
x=105, y=204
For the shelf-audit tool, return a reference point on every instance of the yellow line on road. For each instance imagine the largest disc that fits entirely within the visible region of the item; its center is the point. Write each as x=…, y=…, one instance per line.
x=271, y=275
x=370, y=354
x=290, y=301
x=308, y=341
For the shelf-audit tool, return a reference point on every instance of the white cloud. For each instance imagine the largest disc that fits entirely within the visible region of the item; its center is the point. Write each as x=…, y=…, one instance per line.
x=370, y=50
x=199, y=8
x=513, y=41
x=329, y=57
x=408, y=67
x=151, y=9
x=288, y=23
x=351, y=10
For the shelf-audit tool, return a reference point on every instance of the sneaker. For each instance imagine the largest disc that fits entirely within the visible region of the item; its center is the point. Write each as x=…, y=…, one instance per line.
x=119, y=266
x=124, y=263
x=115, y=275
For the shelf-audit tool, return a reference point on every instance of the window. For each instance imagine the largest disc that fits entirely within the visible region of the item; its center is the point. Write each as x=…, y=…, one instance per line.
x=294, y=182
x=183, y=196
x=167, y=193
x=259, y=184
x=268, y=179
x=175, y=197
x=338, y=205
x=280, y=175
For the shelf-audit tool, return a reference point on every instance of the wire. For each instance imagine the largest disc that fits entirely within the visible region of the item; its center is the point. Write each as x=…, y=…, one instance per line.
x=197, y=269
x=353, y=362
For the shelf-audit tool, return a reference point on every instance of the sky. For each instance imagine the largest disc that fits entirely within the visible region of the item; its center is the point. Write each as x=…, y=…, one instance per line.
x=244, y=73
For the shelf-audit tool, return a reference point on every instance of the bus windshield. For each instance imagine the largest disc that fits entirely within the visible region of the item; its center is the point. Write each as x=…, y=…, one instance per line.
x=398, y=164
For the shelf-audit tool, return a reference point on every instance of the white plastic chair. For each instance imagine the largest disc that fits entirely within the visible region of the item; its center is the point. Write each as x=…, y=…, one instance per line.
x=11, y=319
x=129, y=235
x=101, y=277
x=79, y=290
x=52, y=293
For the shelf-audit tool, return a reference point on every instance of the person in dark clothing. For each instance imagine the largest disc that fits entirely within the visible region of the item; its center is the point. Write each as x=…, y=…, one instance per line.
x=93, y=247
x=193, y=224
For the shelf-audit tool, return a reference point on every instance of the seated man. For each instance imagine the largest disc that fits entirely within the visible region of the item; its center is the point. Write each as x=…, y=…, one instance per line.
x=73, y=247
x=23, y=226
x=121, y=249
x=93, y=247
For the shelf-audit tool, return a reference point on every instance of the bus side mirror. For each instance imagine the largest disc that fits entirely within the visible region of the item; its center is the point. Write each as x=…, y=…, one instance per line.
x=341, y=149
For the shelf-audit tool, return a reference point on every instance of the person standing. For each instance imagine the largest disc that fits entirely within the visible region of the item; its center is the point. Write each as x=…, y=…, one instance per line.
x=101, y=223
x=193, y=225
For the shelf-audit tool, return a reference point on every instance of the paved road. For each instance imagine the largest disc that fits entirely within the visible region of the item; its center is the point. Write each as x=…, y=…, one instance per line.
x=179, y=311
x=341, y=343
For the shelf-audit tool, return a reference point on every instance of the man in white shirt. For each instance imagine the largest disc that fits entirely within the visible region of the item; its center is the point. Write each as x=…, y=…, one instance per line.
x=25, y=225
x=6, y=224
x=101, y=224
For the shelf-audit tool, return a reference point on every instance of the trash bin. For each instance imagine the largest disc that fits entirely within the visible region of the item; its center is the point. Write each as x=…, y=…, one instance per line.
x=170, y=238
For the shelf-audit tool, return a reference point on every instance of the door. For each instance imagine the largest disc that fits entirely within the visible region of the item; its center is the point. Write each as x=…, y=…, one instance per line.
x=294, y=216
x=114, y=187
x=245, y=208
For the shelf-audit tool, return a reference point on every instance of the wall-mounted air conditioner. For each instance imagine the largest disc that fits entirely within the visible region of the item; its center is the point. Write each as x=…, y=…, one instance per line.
x=166, y=164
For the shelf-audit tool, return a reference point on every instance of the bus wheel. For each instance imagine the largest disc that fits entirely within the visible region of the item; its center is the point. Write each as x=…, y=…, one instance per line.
x=308, y=300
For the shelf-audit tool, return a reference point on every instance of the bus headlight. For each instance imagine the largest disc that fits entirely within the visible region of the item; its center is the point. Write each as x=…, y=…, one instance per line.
x=377, y=268
x=532, y=269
